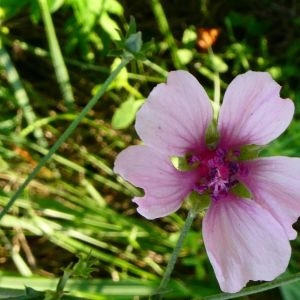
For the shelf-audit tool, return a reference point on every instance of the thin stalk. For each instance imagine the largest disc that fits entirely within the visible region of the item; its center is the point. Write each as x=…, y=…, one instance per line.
x=217, y=86
x=60, y=68
x=171, y=264
x=155, y=67
x=257, y=289
x=66, y=134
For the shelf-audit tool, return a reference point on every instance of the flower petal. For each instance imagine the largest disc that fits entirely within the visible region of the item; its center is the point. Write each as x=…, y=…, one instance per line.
x=244, y=242
x=252, y=111
x=165, y=187
x=176, y=115
x=274, y=183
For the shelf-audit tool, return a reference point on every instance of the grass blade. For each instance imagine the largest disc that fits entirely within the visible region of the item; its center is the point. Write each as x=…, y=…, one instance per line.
x=60, y=68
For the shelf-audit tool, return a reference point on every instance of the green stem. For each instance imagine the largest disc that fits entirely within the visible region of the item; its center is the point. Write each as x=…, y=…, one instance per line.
x=66, y=134
x=60, y=68
x=171, y=264
x=258, y=288
x=217, y=88
x=217, y=85
x=155, y=67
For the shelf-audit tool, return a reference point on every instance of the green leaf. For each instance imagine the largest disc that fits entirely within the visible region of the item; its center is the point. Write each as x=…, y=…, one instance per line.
x=33, y=294
x=189, y=37
x=125, y=114
x=10, y=8
x=134, y=42
x=122, y=78
x=84, y=267
x=109, y=25
x=218, y=64
x=54, y=5
x=185, y=55
x=290, y=291
x=113, y=6
x=115, y=52
x=132, y=27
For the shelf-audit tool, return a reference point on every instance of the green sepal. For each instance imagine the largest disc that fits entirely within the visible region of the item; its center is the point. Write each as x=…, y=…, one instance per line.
x=249, y=152
x=131, y=44
x=241, y=191
x=212, y=135
x=181, y=163
x=197, y=201
x=134, y=42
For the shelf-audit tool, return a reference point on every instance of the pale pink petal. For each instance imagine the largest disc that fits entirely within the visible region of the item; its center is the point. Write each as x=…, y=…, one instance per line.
x=176, y=115
x=165, y=187
x=252, y=111
x=244, y=242
x=275, y=184
x=154, y=207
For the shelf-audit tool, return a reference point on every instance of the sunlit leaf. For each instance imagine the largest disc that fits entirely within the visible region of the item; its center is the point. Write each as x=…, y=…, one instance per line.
x=125, y=114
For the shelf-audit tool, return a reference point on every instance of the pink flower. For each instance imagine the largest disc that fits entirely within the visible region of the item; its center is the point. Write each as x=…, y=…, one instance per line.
x=245, y=239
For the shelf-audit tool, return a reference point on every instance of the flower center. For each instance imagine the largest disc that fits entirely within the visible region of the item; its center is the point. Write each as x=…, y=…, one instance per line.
x=217, y=172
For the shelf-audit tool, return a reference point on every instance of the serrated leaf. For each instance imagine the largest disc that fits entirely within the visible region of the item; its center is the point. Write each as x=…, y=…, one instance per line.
x=125, y=114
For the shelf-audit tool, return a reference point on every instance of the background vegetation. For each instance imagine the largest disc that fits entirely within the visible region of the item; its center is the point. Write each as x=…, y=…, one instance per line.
x=54, y=56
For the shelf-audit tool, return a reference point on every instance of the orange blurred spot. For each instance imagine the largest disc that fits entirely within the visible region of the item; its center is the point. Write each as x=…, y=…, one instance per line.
x=25, y=155
x=206, y=37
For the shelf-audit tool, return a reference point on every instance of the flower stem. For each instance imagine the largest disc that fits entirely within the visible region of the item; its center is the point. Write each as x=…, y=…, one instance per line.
x=170, y=267
x=217, y=89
